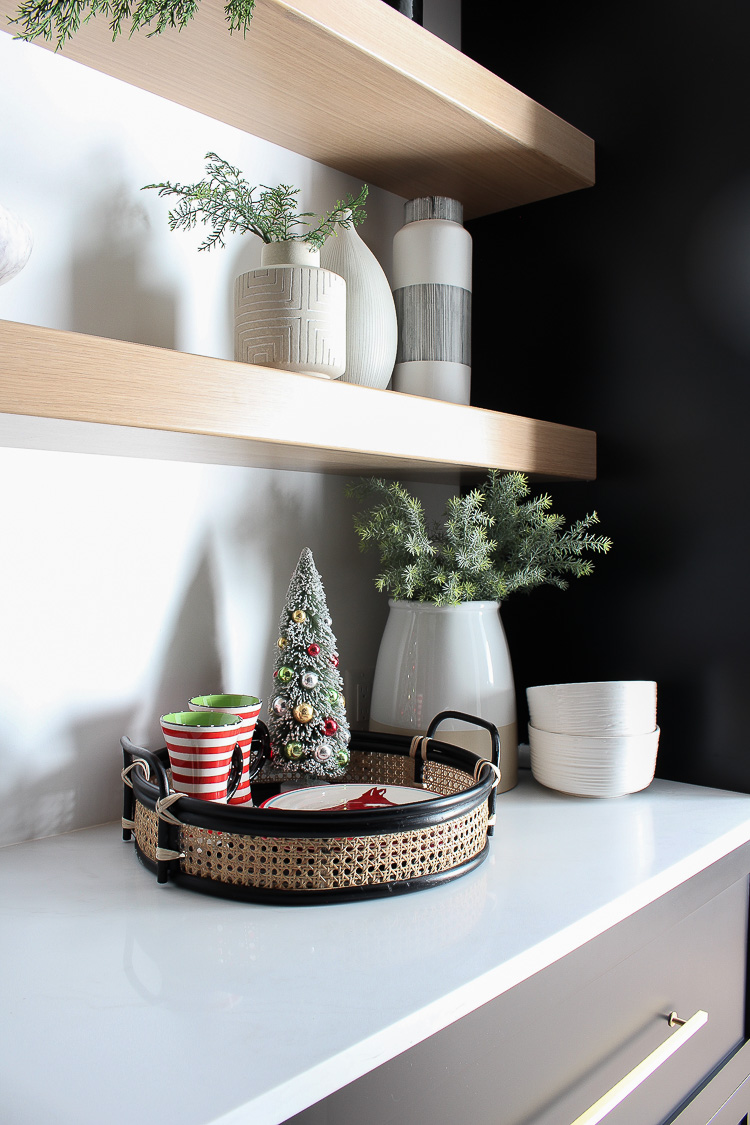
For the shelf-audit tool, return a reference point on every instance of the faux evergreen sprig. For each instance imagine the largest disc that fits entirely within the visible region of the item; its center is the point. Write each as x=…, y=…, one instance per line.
x=492, y=542
x=61, y=19
x=228, y=204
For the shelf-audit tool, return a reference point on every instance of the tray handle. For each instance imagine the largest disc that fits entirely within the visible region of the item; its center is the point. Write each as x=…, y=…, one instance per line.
x=129, y=753
x=475, y=720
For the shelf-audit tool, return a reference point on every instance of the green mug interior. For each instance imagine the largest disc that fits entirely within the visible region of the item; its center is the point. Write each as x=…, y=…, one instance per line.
x=201, y=719
x=224, y=701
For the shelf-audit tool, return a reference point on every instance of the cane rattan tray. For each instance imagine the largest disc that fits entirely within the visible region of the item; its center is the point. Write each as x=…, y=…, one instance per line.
x=291, y=857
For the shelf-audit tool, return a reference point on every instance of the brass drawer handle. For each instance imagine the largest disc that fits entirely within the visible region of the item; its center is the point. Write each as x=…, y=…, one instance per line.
x=626, y=1085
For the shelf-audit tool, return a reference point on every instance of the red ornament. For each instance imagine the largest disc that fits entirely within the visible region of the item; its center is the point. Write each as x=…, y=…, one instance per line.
x=335, y=661
x=330, y=727
x=313, y=650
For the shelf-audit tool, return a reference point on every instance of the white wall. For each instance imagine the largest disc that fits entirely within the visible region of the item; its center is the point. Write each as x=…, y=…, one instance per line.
x=129, y=585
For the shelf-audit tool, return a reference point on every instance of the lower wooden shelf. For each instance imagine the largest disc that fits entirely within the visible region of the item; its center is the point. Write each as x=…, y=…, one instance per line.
x=98, y=395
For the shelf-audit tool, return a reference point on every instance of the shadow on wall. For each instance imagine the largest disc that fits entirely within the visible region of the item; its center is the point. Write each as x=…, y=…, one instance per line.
x=83, y=787
x=189, y=663
x=111, y=291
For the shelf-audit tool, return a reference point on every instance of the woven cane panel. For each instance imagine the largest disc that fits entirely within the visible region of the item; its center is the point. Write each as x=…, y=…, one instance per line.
x=446, y=779
x=383, y=769
x=304, y=865
x=146, y=830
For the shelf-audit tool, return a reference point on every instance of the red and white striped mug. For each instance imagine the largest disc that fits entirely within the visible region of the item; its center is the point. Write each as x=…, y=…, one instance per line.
x=204, y=753
x=247, y=708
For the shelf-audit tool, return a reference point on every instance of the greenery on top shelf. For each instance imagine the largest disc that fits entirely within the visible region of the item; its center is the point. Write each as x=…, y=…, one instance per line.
x=226, y=202
x=61, y=19
x=492, y=542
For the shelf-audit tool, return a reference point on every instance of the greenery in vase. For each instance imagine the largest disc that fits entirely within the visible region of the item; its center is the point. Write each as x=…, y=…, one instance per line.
x=492, y=542
x=48, y=19
x=227, y=203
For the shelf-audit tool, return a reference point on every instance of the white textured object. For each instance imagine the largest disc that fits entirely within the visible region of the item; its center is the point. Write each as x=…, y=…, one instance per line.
x=291, y=316
x=371, y=330
x=604, y=707
x=15, y=244
x=596, y=765
x=437, y=658
x=432, y=262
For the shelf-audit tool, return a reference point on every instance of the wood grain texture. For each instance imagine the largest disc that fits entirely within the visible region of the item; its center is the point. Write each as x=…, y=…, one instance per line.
x=282, y=420
x=406, y=111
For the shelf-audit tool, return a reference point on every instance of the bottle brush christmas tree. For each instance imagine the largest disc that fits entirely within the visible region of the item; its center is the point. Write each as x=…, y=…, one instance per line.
x=307, y=724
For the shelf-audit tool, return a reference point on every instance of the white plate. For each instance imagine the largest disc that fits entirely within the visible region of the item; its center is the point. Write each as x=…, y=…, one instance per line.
x=348, y=798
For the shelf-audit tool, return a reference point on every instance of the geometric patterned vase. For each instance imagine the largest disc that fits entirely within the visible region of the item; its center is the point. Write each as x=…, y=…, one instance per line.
x=290, y=313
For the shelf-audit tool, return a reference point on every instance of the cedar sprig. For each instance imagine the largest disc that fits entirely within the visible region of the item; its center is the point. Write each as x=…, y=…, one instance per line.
x=225, y=202
x=61, y=19
x=492, y=541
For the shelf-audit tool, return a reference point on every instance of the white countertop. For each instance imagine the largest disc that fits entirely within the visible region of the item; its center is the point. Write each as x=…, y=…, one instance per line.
x=126, y=1001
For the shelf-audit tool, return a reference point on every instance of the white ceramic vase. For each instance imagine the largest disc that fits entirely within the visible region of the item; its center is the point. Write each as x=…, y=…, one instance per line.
x=438, y=658
x=15, y=244
x=371, y=331
x=291, y=313
x=432, y=262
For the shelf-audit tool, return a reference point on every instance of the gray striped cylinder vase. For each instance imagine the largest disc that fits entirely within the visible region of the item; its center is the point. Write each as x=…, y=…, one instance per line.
x=291, y=313
x=432, y=293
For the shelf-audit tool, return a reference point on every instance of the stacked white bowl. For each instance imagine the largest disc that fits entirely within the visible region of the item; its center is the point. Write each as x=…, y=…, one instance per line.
x=594, y=739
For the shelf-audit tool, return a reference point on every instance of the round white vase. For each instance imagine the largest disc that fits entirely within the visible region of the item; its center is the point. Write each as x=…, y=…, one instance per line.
x=371, y=330
x=15, y=244
x=437, y=658
x=291, y=313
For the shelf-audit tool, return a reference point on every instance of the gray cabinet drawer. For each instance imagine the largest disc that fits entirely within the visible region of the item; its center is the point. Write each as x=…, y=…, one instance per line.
x=545, y=1051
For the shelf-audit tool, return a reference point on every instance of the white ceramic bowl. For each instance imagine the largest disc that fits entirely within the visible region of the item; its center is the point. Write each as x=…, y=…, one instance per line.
x=622, y=707
x=593, y=765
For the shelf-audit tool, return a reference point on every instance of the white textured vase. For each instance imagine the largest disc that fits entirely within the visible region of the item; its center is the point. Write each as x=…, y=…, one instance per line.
x=15, y=244
x=291, y=313
x=454, y=658
x=432, y=262
x=371, y=331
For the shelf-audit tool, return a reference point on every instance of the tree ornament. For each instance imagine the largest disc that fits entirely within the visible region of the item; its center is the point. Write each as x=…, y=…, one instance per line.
x=307, y=713
x=303, y=713
x=282, y=642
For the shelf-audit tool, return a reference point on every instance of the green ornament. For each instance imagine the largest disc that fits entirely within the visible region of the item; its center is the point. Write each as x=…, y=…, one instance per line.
x=294, y=751
x=342, y=757
x=286, y=674
x=333, y=695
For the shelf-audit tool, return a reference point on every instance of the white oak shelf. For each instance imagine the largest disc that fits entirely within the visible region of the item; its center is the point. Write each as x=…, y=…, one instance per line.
x=360, y=88
x=97, y=395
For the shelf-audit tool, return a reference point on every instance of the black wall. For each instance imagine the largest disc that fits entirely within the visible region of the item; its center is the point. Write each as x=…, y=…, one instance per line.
x=625, y=308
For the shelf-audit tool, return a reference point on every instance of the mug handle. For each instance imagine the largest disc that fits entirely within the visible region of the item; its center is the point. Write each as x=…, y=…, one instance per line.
x=261, y=733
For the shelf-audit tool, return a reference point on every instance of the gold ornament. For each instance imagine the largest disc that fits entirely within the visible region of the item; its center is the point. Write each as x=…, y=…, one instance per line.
x=303, y=712
x=282, y=642
x=299, y=616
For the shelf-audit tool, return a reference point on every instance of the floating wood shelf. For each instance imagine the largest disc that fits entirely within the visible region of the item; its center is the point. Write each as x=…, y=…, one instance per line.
x=141, y=400
x=356, y=86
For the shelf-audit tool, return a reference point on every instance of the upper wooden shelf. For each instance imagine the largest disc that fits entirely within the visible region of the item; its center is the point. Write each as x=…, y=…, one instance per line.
x=195, y=408
x=356, y=86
